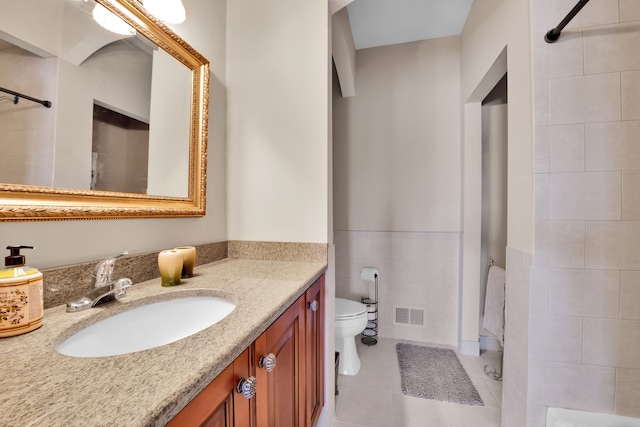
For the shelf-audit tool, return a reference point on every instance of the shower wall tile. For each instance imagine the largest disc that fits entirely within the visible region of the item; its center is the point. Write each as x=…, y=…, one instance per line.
x=540, y=24
x=631, y=196
x=584, y=99
x=542, y=243
x=536, y=380
x=557, y=338
x=585, y=196
x=541, y=148
x=630, y=81
x=539, y=291
x=613, y=146
x=629, y=10
x=612, y=343
x=594, y=13
x=613, y=245
x=542, y=196
x=630, y=295
x=566, y=240
x=594, y=293
x=540, y=57
x=577, y=386
x=541, y=100
x=611, y=48
x=627, y=392
x=567, y=148
x=565, y=58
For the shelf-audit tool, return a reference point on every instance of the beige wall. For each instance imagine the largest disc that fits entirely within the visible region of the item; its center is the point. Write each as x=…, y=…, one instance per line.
x=397, y=184
x=397, y=142
x=584, y=347
x=278, y=85
x=493, y=27
x=67, y=242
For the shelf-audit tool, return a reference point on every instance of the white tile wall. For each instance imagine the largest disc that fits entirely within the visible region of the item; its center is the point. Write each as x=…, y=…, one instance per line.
x=583, y=196
x=594, y=13
x=516, y=348
x=611, y=342
x=567, y=148
x=629, y=10
x=557, y=338
x=630, y=81
x=417, y=270
x=584, y=99
x=613, y=146
x=630, y=295
x=631, y=195
x=584, y=328
x=628, y=392
x=594, y=293
x=613, y=245
x=577, y=386
x=566, y=244
x=599, y=57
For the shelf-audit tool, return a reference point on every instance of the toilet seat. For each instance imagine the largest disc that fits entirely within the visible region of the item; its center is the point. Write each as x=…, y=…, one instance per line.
x=347, y=309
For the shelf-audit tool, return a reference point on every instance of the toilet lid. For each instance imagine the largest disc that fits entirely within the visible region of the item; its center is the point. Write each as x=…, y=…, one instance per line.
x=348, y=308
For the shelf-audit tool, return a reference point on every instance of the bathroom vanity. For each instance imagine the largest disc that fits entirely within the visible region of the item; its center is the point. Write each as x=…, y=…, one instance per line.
x=276, y=381
x=195, y=377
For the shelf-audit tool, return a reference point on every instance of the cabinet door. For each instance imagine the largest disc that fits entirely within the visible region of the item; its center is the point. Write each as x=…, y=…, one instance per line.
x=219, y=404
x=314, y=351
x=279, y=403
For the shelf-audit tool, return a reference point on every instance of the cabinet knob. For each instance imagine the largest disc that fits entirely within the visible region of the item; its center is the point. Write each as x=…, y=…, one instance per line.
x=313, y=305
x=268, y=362
x=247, y=386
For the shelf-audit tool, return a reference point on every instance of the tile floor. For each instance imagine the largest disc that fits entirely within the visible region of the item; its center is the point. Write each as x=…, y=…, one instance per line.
x=374, y=397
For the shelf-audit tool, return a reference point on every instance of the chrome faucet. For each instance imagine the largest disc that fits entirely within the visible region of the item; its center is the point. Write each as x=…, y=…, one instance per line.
x=105, y=288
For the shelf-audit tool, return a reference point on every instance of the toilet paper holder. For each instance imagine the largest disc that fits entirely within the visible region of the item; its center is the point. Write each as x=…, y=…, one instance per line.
x=370, y=334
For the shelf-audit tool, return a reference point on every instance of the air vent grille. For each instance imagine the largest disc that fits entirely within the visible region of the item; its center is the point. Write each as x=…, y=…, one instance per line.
x=409, y=316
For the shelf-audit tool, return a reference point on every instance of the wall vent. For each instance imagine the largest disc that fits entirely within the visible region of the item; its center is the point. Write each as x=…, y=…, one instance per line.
x=409, y=316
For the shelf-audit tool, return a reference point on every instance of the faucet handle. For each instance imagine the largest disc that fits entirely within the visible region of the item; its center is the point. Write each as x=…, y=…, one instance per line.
x=103, y=272
x=121, y=286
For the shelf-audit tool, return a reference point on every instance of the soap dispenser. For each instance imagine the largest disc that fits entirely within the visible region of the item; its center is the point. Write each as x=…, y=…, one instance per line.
x=21, y=301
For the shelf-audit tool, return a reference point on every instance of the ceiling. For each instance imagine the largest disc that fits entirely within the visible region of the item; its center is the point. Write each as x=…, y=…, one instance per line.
x=384, y=22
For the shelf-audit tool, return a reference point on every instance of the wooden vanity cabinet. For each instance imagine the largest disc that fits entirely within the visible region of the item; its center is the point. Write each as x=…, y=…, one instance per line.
x=219, y=404
x=314, y=351
x=290, y=395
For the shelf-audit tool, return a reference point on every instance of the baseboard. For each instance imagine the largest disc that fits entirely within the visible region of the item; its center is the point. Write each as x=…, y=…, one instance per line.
x=489, y=343
x=471, y=348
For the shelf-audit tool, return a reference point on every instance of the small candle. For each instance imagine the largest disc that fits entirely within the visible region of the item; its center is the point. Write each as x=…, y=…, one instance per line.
x=170, y=265
x=188, y=260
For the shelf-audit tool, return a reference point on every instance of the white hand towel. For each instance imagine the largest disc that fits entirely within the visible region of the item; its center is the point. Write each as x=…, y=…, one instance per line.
x=494, y=303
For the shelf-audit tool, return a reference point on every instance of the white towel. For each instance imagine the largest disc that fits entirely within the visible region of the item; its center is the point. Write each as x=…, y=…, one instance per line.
x=494, y=303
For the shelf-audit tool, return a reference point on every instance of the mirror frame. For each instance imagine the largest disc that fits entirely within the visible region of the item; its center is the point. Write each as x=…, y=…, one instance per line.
x=33, y=203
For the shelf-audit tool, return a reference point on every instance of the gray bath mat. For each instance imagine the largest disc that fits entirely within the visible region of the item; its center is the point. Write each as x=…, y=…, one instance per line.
x=435, y=373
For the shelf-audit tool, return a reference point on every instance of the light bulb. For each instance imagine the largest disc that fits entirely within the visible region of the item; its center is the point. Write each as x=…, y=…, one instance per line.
x=111, y=22
x=169, y=11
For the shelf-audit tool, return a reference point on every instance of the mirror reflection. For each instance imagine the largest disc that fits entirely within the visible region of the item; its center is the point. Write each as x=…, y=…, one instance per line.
x=120, y=118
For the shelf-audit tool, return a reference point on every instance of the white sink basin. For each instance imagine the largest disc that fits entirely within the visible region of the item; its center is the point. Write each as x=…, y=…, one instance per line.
x=148, y=326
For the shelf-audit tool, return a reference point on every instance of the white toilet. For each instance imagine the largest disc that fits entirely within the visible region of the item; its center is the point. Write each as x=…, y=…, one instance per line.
x=351, y=320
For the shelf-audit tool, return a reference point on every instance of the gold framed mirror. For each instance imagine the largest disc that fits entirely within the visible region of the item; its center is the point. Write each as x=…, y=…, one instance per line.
x=27, y=202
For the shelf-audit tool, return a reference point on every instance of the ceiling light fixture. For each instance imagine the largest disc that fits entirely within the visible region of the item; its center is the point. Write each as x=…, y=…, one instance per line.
x=111, y=22
x=169, y=11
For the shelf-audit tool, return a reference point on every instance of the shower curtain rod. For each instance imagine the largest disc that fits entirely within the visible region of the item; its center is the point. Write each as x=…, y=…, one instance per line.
x=19, y=95
x=553, y=35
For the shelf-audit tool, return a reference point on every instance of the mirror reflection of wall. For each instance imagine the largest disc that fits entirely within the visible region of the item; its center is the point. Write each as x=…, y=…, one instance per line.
x=26, y=128
x=120, y=152
x=85, y=62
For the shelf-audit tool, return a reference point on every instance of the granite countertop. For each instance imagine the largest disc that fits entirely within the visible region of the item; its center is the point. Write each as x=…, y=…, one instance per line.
x=41, y=387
